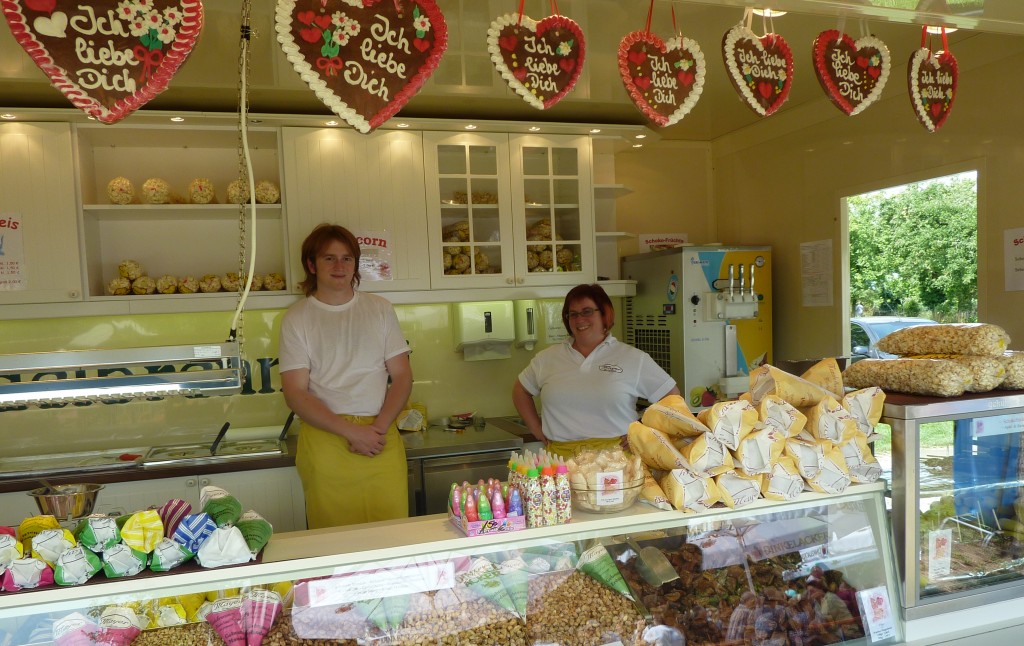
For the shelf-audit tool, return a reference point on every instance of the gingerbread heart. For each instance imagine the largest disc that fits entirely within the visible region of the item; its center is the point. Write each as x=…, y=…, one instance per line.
x=363, y=58
x=852, y=73
x=540, y=60
x=761, y=69
x=663, y=78
x=932, y=82
x=108, y=58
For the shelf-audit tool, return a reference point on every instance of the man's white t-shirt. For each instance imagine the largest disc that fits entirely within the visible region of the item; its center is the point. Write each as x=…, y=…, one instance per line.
x=344, y=347
x=594, y=396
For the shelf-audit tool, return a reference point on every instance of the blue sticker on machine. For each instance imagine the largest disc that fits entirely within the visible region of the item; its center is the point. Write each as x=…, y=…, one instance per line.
x=673, y=287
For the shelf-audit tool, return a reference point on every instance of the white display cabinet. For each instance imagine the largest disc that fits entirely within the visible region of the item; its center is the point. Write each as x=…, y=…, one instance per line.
x=180, y=238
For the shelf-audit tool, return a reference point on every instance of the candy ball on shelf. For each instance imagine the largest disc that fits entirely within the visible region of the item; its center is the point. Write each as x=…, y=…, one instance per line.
x=130, y=269
x=120, y=190
x=257, y=282
x=143, y=285
x=200, y=191
x=231, y=281
x=156, y=191
x=209, y=284
x=267, y=192
x=188, y=285
x=273, y=282
x=119, y=286
x=238, y=191
x=167, y=284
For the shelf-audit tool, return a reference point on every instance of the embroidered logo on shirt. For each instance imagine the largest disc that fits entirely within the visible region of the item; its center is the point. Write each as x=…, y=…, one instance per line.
x=609, y=367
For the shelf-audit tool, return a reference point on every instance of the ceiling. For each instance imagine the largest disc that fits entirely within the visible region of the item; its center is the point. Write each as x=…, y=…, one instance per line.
x=465, y=86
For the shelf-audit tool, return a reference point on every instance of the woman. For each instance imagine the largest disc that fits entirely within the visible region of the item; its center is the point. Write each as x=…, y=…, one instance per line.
x=338, y=349
x=589, y=384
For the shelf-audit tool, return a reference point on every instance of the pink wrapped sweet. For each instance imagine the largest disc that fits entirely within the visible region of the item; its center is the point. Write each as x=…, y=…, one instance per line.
x=200, y=191
x=156, y=191
x=120, y=190
x=188, y=285
x=238, y=191
x=267, y=192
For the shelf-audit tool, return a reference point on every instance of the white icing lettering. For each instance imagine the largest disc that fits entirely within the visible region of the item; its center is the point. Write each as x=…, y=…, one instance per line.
x=107, y=55
x=534, y=46
x=90, y=23
x=382, y=59
x=91, y=79
x=383, y=33
x=356, y=75
x=540, y=66
x=663, y=97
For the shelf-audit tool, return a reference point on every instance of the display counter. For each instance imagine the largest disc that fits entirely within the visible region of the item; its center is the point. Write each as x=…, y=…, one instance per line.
x=421, y=580
x=958, y=512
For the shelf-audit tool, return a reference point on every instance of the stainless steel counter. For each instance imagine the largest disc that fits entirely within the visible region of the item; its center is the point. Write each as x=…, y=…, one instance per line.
x=436, y=442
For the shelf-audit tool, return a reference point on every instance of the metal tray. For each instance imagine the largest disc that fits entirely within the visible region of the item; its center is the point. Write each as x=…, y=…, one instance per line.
x=200, y=453
x=52, y=464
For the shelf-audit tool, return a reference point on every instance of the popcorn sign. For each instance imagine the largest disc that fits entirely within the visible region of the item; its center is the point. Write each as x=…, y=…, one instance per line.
x=363, y=58
x=111, y=57
x=12, y=262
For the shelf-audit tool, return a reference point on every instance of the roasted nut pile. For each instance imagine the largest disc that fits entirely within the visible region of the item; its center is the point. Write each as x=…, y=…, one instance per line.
x=575, y=610
x=195, y=634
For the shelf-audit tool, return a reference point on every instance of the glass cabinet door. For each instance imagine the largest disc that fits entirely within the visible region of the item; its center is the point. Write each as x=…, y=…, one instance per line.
x=468, y=204
x=552, y=190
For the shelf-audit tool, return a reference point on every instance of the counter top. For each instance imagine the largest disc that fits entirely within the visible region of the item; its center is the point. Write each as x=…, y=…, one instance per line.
x=434, y=442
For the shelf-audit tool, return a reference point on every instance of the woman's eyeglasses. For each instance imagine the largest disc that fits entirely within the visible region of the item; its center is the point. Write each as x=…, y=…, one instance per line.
x=586, y=312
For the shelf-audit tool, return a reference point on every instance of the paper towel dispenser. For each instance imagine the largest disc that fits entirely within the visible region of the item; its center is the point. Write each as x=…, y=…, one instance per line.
x=527, y=323
x=483, y=330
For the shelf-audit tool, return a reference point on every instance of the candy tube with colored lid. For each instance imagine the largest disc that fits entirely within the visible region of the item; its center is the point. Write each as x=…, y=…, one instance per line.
x=483, y=507
x=498, y=504
x=549, y=496
x=470, y=512
x=563, y=492
x=533, y=498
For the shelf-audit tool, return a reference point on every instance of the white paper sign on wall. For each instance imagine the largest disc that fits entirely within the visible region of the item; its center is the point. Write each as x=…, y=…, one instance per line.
x=12, y=255
x=1013, y=254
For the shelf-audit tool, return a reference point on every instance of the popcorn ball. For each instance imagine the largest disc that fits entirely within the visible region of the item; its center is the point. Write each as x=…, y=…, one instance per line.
x=267, y=192
x=273, y=282
x=167, y=284
x=120, y=190
x=238, y=191
x=130, y=269
x=231, y=281
x=119, y=286
x=209, y=283
x=143, y=285
x=257, y=282
x=200, y=191
x=156, y=191
x=188, y=285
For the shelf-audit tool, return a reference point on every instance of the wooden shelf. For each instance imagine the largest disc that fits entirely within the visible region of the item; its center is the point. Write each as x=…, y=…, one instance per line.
x=611, y=191
x=606, y=236
x=177, y=211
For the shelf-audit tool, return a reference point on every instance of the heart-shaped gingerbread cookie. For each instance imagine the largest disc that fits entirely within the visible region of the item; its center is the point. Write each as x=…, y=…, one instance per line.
x=852, y=73
x=761, y=69
x=108, y=58
x=540, y=60
x=932, y=82
x=663, y=78
x=363, y=58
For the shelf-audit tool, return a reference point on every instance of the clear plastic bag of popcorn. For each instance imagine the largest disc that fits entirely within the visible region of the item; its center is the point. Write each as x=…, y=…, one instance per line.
x=934, y=377
x=946, y=338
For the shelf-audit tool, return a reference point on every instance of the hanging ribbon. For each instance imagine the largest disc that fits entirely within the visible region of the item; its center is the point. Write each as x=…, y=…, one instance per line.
x=926, y=39
x=150, y=59
x=330, y=66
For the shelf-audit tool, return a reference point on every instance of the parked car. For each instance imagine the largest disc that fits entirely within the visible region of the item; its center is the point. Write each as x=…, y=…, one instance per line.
x=865, y=331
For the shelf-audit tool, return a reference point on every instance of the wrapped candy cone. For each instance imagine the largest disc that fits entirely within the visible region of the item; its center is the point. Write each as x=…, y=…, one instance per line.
x=259, y=610
x=483, y=578
x=225, y=615
x=515, y=576
x=597, y=563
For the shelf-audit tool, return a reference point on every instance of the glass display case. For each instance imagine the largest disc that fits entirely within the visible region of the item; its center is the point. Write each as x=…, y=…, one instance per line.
x=958, y=513
x=808, y=571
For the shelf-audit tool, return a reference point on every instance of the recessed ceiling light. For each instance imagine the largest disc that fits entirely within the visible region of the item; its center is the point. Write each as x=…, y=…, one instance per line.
x=177, y=119
x=402, y=125
x=769, y=13
x=332, y=122
x=640, y=137
x=8, y=116
x=937, y=30
x=594, y=131
x=470, y=127
x=255, y=121
x=534, y=128
x=638, y=145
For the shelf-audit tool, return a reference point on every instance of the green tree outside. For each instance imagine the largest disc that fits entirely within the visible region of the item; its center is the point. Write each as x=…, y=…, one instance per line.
x=914, y=250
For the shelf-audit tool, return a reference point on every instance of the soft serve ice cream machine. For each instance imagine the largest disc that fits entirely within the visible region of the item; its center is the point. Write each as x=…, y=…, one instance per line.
x=704, y=314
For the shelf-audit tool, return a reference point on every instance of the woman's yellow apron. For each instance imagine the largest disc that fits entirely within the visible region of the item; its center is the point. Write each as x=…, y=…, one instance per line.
x=346, y=488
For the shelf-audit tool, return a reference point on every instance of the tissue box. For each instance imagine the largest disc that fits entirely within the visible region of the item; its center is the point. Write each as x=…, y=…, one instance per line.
x=485, y=527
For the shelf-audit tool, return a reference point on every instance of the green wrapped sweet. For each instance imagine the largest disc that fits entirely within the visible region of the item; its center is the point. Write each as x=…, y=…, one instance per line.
x=219, y=505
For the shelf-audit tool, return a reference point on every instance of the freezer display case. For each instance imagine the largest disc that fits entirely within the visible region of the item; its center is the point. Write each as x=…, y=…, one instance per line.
x=957, y=503
x=815, y=570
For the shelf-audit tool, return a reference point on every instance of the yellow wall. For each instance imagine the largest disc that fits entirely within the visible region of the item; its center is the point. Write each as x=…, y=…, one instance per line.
x=781, y=181
x=442, y=380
